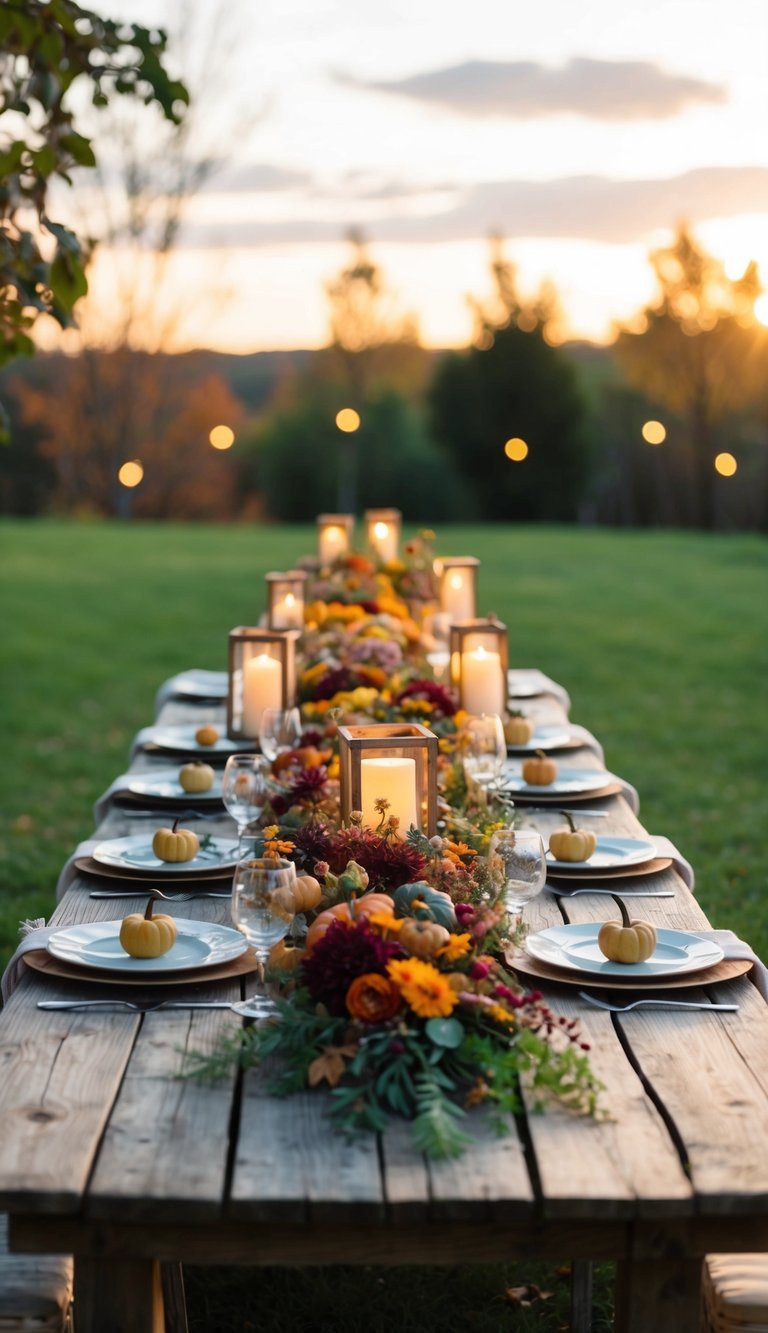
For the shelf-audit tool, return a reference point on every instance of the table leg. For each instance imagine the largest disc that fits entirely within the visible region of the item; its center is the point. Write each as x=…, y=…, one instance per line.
x=581, y=1296
x=664, y=1297
x=123, y=1296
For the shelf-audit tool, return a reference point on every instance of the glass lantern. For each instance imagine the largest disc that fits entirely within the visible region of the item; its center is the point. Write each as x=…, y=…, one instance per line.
x=479, y=661
x=334, y=536
x=285, y=599
x=382, y=534
x=396, y=762
x=261, y=674
x=458, y=587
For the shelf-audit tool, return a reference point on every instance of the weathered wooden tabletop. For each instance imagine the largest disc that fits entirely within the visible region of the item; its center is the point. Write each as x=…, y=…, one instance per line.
x=107, y=1154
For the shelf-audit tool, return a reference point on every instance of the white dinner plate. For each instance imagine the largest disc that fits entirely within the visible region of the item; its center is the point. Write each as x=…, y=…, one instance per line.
x=201, y=685
x=163, y=785
x=182, y=738
x=97, y=944
x=574, y=947
x=569, y=782
x=543, y=738
x=611, y=853
x=135, y=853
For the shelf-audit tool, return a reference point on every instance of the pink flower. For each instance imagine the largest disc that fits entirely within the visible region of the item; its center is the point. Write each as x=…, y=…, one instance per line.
x=479, y=971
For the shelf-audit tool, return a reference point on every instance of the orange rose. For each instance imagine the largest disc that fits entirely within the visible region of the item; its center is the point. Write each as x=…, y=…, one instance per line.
x=373, y=998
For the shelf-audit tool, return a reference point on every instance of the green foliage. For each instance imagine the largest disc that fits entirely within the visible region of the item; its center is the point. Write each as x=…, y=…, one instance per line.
x=302, y=464
x=47, y=49
x=513, y=385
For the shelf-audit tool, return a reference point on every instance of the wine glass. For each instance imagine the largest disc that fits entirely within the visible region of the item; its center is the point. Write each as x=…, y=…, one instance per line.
x=244, y=790
x=484, y=749
x=519, y=863
x=279, y=730
x=263, y=907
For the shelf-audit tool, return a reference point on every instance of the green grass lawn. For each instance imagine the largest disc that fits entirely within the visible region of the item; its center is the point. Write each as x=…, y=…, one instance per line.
x=659, y=637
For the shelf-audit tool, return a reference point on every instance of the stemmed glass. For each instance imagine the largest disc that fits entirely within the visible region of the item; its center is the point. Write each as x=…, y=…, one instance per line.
x=484, y=749
x=244, y=790
x=518, y=862
x=279, y=730
x=263, y=907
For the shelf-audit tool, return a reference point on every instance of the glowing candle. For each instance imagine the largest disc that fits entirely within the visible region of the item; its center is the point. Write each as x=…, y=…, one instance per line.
x=288, y=612
x=392, y=780
x=482, y=687
x=332, y=542
x=457, y=599
x=262, y=688
x=384, y=541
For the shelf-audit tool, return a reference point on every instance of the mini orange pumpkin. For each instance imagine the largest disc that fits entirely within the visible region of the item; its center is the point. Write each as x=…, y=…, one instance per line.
x=626, y=941
x=348, y=912
x=175, y=844
x=286, y=957
x=207, y=735
x=518, y=729
x=147, y=936
x=539, y=770
x=422, y=939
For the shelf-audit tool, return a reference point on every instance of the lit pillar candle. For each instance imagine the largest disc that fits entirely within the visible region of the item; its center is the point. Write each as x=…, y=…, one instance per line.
x=332, y=542
x=262, y=688
x=392, y=780
x=384, y=541
x=481, y=683
x=288, y=612
x=457, y=599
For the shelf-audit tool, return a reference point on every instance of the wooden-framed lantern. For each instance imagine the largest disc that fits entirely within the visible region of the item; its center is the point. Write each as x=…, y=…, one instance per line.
x=393, y=761
x=334, y=536
x=261, y=670
x=285, y=599
x=458, y=587
x=479, y=661
x=382, y=534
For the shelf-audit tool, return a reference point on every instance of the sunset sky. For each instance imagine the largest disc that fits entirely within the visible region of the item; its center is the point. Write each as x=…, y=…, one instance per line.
x=580, y=132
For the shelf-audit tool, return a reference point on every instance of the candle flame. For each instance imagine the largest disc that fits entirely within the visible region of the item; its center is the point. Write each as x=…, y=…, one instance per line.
x=456, y=580
x=380, y=530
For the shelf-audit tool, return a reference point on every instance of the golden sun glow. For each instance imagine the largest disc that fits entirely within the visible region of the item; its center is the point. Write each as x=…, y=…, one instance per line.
x=761, y=309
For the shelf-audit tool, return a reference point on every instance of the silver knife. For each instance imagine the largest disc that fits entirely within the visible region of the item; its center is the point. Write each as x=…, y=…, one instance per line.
x=142, y=892
x=140, y=1006
x=611, y=893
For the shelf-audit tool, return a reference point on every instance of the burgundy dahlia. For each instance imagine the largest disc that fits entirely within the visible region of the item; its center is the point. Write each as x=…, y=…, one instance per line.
x=344, y=953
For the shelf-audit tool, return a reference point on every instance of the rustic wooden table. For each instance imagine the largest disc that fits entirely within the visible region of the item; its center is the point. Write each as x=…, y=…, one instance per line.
x=107, y=1154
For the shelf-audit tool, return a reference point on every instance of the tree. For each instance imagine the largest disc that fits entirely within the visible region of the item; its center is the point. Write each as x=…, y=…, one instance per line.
x=698, y=354
x=49, y=49
x=512, y=384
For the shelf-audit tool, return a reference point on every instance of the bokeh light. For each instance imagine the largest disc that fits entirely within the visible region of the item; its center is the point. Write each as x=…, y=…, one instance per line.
x=348, y=420
x=222, y=437
x=654, y=433
x=761, y=308
x=516, y=449
x=131, y=474
x=726, y=465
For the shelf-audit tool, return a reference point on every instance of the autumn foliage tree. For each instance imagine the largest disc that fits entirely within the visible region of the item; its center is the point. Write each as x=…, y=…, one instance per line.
x=699, y=354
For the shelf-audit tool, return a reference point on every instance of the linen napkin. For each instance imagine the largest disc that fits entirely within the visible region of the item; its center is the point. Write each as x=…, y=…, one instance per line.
x=34, y=935
x=666, y=847
x=734, y=948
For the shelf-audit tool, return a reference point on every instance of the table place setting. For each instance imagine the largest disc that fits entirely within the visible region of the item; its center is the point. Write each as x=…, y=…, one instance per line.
x=208, y=741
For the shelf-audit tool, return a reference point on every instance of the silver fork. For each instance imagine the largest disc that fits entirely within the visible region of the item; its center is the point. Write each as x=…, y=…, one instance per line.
x=140, y=1006
x=155, y=893
x=665, y=1004
x=611, y=893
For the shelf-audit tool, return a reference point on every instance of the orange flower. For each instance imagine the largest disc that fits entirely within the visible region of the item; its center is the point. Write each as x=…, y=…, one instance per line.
x=457, y=947
x=386, y=922
x=426, y=990
x=373, y=998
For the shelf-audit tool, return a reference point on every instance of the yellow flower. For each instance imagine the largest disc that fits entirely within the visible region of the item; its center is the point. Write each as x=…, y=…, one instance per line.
x=271, y=831
x=426, y=990
x=386, y=922
x=456, y=947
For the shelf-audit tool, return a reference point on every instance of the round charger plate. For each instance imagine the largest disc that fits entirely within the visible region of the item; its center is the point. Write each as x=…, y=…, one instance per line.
x=87, y=866
x=42, y=961
x=134, y=852
x=526, y=966
x=545, y=796
x=574, y=948
x=648, y=869
x=96, y=945
x=612, y=852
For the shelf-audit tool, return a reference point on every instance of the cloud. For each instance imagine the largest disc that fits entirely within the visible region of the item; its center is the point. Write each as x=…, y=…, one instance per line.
x=256, y=178
x=596, y=208
x=597, y=89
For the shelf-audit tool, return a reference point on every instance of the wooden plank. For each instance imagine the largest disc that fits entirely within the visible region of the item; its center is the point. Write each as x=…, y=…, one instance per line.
x=290, y=1163
x=491, y=1180
x=60, y=1076
x=665, y=1297
x=716, y=1102
x=622, y=1166
x=124, y=1297
x=164, y=1154
x=405, y=1173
